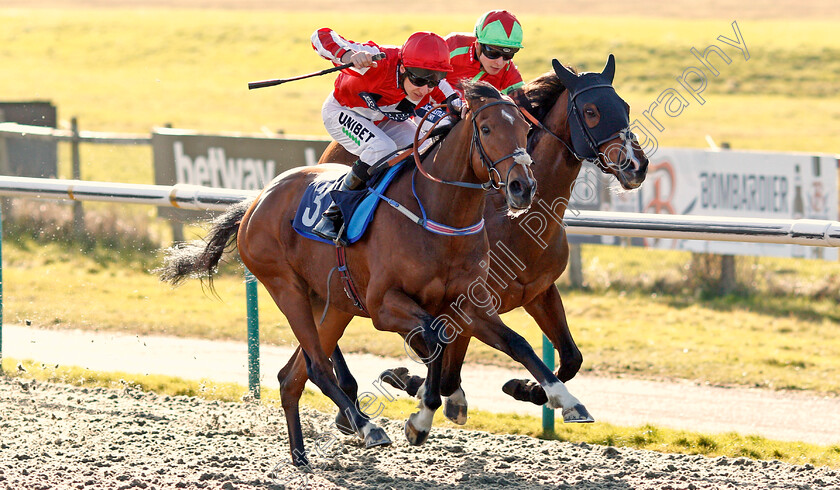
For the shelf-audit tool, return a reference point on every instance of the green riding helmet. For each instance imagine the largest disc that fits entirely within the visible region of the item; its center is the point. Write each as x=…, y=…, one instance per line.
x=499, y=28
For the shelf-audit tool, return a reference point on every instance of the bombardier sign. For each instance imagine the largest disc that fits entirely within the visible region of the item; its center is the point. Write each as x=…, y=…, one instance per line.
x=745, y=184
x=227, y=161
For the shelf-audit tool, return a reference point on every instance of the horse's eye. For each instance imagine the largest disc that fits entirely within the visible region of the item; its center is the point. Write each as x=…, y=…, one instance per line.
x=589, y=112
x=485, y=130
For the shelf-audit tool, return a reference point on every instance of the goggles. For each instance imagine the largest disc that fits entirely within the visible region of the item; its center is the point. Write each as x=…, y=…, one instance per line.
x=492, y=53
x=420, y=77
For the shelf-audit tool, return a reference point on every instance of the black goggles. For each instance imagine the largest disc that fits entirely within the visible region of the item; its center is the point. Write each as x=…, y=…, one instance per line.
x=492, y=53
x=432, y=80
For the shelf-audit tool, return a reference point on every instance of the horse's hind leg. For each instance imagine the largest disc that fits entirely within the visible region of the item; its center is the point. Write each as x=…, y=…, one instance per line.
x=345, y=378
x=496, y=334
x=348, y=385
x=547, y=310
x=292, y=379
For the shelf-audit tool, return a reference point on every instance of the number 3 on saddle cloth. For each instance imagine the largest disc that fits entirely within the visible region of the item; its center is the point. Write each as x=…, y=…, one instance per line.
x=357, y=207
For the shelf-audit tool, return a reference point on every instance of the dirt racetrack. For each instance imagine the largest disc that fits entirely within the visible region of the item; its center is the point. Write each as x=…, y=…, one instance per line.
x=58, y=436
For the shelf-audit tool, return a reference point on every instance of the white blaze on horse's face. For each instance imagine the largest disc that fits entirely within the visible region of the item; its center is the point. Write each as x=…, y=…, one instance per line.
x=622, y=156
x=629, y=139
x=508, y=117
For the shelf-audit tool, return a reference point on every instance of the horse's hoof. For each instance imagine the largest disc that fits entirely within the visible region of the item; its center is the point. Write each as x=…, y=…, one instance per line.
x=343, y=425
x=377, y=437
x=401, y=379
x=301, y=461
x=415, y=437
x=455, y=412
x=526, y=391
x=577, y=415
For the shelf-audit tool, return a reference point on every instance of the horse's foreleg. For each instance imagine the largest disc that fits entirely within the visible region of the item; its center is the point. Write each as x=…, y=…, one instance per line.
x=455, y=407
x=547, y=310
x=397, y=312
x=496, y=334
x=295, y=305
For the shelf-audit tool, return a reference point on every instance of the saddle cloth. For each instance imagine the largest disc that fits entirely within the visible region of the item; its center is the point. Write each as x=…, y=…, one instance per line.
x=358, y=205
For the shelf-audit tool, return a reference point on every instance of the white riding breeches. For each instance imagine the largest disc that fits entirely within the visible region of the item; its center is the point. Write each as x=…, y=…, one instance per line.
x=361, y=137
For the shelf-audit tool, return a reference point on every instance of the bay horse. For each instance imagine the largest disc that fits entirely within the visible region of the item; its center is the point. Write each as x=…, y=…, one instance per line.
x=404, y=275
x=576, y=117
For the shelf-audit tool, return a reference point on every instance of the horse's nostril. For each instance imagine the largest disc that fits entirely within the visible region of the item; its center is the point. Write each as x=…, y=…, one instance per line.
x=515, y=188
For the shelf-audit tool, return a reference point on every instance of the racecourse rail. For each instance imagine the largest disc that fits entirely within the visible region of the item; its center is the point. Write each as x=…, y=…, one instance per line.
x=798, y=232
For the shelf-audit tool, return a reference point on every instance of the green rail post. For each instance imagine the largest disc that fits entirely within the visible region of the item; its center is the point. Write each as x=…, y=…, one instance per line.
x=548, y=359
x=1, y=289
x=253, y=334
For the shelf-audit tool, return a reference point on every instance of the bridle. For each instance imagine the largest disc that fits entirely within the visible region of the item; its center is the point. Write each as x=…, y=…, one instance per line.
x=517, y=154
x=601, y=160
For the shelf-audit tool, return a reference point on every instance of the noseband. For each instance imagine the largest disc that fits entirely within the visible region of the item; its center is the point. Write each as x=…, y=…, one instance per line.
x=485, y=159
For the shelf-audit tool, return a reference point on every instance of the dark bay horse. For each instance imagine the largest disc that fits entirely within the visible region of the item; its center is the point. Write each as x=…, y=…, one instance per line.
x=564, y=135
x=405, y=275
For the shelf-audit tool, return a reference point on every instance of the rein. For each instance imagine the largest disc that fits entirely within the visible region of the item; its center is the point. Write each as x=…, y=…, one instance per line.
x=475, y=143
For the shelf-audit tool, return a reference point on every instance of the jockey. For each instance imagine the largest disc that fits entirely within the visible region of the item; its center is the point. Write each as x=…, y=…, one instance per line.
x=487, y=55
x=370, y=111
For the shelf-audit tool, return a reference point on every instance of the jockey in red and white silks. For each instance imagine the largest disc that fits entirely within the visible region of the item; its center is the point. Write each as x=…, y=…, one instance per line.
x=370, y=111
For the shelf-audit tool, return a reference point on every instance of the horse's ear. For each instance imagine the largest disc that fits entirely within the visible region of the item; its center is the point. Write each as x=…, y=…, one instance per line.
x=566, y=76
x=609, y=69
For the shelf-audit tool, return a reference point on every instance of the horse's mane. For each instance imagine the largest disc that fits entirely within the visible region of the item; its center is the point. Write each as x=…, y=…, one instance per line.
x=473, y=90
x=538, y=95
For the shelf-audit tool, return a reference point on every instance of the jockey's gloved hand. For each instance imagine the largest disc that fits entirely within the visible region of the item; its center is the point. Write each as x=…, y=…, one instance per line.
x=455, y=105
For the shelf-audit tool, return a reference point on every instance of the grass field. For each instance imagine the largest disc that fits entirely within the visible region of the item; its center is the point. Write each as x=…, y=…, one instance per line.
x=119, y=70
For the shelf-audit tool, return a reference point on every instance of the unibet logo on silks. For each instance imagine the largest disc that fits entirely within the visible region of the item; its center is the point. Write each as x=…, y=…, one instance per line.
x=216, y=170
x=354, y=129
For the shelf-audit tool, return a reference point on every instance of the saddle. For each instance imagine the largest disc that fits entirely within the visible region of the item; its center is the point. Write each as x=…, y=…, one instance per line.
x=357, y=206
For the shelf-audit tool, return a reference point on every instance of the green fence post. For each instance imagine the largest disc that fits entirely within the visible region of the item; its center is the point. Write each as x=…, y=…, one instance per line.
x=548, y=359
x=1, y=290
x=253, y=334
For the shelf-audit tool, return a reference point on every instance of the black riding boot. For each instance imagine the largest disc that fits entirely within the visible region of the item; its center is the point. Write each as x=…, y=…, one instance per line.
x=332, y=220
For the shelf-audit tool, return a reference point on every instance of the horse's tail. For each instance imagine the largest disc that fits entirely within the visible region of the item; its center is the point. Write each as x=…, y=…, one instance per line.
x=200, y=259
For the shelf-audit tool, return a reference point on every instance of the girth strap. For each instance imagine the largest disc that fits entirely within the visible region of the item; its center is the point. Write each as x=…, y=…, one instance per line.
x=347, y=280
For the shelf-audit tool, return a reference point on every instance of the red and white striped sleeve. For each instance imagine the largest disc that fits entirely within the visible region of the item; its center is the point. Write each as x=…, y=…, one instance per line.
x=327, y=43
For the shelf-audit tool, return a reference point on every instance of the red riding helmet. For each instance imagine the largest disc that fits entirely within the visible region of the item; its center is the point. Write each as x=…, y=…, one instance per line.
x=426, y=50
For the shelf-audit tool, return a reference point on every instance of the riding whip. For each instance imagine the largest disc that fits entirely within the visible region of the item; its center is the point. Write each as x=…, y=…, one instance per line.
x=278, y=81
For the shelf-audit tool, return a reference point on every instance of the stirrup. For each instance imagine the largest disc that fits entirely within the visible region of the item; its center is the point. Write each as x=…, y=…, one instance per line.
x=330, y=227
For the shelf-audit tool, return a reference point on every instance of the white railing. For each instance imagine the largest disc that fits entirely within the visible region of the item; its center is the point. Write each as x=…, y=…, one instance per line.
x=15, y=130
x=822, y=233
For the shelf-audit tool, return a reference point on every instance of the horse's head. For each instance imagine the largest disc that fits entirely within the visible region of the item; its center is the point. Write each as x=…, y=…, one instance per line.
x=499, y=139
x=599, y=121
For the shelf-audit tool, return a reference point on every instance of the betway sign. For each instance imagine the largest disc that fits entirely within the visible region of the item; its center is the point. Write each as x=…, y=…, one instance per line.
x=227, y=161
